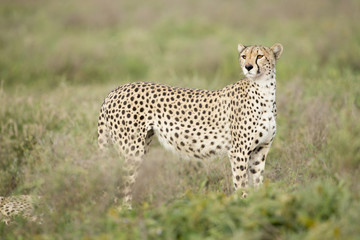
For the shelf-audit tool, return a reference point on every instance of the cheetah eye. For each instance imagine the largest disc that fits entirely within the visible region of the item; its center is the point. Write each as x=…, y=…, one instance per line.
x=243, y=56
x=260, y=56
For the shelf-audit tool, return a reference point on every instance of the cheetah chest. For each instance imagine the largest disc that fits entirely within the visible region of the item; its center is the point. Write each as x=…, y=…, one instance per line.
x=267, y=127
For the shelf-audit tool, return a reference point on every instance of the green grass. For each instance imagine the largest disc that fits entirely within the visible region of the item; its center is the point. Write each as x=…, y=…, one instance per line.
x=59, y=59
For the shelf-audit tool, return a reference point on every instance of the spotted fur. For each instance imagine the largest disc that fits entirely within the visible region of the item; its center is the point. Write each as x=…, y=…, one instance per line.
x=238, y=120
x=13, y=206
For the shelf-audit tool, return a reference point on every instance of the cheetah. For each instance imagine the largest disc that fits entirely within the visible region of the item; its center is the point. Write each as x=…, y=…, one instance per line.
x=22, y=205
x=238, y=120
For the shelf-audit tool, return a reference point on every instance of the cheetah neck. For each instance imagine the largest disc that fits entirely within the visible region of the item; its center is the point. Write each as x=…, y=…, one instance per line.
x=266, y=85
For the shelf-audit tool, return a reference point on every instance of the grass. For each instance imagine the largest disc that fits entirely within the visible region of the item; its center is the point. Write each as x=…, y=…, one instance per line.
x=59, y=59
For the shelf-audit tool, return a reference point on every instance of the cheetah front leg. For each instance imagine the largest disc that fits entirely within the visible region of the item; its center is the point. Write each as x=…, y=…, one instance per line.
x=257, y=164
x=239, y=160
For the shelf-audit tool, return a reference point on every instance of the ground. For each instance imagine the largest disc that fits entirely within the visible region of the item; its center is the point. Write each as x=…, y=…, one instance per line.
x=59, y=59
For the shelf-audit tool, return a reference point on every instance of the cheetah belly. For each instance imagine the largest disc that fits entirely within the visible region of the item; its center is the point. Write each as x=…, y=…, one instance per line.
x=191, y=145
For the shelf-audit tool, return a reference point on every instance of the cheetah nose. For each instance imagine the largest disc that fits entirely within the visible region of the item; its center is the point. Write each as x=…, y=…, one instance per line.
x=249, y=67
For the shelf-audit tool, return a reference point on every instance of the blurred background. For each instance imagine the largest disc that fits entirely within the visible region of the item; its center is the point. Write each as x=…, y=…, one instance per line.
x=59, y=59
x=93, y=41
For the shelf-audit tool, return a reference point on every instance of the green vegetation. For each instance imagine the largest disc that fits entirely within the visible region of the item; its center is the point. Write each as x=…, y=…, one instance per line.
x=59, y=59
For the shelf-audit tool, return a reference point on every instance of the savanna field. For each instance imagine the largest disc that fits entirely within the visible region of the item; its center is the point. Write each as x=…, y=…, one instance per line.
x=59, y=59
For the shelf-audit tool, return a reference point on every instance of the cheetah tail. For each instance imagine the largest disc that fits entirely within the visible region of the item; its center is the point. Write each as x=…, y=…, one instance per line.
x=103, y=131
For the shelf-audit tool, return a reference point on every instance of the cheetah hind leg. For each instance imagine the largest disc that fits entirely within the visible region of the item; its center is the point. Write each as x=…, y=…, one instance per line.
x=132, y=166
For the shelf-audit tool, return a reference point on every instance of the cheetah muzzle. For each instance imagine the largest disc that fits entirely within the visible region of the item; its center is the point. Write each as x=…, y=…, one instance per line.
x=238, y=120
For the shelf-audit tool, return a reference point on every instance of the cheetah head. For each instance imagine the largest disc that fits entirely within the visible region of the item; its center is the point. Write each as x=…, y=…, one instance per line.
x=259, y=61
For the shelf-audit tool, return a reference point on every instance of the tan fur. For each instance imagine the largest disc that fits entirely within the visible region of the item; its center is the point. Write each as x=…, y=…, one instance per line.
x=238, y=120
x=12, y=206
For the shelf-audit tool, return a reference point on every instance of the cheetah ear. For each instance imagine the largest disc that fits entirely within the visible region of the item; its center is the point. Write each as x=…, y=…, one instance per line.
x=240, y=47
x=277, y=49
